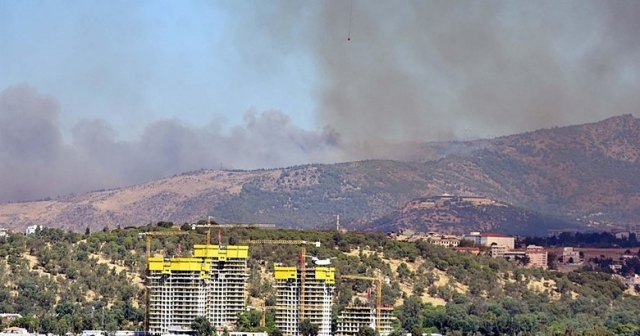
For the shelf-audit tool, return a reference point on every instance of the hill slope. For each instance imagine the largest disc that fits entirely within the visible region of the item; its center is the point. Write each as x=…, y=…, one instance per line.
x=64, y=282
x=586, y=171
x=460, y=215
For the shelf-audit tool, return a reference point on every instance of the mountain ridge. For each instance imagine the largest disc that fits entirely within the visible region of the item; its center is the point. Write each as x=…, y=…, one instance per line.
x=578, y=171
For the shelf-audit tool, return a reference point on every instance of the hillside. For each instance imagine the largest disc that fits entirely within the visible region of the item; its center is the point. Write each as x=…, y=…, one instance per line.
x=64, y=281
x=460, y=215
x=586, y=171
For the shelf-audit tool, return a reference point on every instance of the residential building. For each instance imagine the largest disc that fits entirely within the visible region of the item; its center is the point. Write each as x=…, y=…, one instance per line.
x=537, y=256
x=513, y=255
x=620, y=233
x=4, y=233
x=444, y=240
x=32, y=229
x=354, y=318
x=570, y=256
x=247, y=333
x=211, y=283
x=489, y=238
x=498, y=251
x=315, y=292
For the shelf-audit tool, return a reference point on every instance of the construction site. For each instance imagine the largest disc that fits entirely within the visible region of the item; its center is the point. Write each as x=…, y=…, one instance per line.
x=212, y=283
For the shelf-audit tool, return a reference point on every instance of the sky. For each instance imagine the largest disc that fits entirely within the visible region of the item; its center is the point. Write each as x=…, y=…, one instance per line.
x=104, y=94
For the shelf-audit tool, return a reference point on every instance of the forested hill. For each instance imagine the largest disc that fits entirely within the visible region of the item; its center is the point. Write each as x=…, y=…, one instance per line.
x=63, y=281
x=461, y=215
x=587, y=172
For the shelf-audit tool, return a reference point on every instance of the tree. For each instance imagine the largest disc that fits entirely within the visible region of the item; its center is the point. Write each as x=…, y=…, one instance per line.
x=307, y=328
x=367, y=331
x=416, y=331
x=411, y=313
x=276, y=332
x=201, y=326
x=164, y=224
x=248, y=320
x=403, y=272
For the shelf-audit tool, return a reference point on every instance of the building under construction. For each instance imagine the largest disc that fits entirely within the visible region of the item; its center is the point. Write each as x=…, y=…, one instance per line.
x=307, y=298
x=354, y=318
x=211, y=284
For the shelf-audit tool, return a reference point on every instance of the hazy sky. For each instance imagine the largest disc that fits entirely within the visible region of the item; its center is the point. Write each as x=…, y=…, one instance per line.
x=97, y=94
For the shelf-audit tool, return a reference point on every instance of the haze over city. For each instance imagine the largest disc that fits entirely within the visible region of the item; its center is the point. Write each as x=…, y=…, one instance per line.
x=107, y=94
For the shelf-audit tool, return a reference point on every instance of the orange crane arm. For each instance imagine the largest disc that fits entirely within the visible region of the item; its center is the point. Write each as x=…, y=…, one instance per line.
x=378, y=281
x=148, y=235
x=303, y=251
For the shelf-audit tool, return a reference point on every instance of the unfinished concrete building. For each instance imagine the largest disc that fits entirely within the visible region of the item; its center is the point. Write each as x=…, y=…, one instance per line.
x=316, y=298
x=354, y=318
x=211, y=283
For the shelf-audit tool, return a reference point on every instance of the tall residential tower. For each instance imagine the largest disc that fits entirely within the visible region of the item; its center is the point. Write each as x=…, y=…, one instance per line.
x=211, y=284
x=315, y=294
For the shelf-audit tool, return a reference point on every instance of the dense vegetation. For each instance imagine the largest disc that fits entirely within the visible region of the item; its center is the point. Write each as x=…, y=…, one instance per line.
x=585, y=239
x=457, y=215
x=62, y=281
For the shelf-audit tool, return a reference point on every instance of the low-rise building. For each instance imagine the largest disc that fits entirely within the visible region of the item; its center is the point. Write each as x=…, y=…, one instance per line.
x=538, y=257
x=444, y=240
x=354, y=318
x=3, y=233
x=498, y=251
x=570, y=256
x=490, y=238
x=621, y=233
x=32, y=229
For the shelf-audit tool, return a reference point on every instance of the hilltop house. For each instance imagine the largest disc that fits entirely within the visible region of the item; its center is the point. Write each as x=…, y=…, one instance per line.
x=491, y=239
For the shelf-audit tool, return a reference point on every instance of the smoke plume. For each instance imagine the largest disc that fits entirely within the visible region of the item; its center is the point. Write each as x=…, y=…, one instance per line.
x=412, y=71
x=37, y=163
x=443, y=70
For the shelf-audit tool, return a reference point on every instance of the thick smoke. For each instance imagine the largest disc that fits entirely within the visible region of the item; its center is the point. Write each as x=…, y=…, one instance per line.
x=442, y=70
x=413, y=71
x=37, y=163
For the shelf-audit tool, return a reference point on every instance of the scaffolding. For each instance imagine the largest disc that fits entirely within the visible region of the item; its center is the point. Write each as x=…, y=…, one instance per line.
x=354, y=318
x=376, y=316
x=316, y=296
x=211, y=283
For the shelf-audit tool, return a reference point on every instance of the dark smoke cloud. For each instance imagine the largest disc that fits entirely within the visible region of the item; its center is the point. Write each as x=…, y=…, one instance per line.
x=442, y=70
x=413, y=71
x=36, y=162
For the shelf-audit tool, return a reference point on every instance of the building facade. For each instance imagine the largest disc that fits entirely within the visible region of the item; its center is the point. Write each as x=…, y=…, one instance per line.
x=538, y=257
x=32, y=229
x=317, y=298
x=354, y=318
x=211, y=284
x=489, y=238
x=570, y=256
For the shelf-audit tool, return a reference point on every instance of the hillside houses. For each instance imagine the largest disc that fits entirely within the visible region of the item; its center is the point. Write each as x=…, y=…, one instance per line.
x=498, y=245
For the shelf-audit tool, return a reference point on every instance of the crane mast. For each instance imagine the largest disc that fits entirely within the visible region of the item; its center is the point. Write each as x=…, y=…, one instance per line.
x=378, y=282
x=303, y=252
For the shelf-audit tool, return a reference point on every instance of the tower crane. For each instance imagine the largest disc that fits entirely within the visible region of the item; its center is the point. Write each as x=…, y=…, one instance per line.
x=148, y=236
x=378, y=282
x=208, y=225
x=303, y=251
